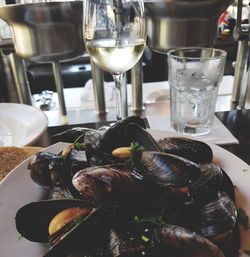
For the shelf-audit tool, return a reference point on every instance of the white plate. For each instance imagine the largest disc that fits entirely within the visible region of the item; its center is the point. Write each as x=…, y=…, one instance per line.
x=20, y=124
x=17, y=189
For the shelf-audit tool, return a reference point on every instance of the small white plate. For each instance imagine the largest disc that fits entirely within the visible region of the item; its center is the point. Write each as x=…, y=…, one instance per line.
x=20, y=124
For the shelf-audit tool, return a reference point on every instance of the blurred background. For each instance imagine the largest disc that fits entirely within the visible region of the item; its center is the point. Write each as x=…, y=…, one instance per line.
x=76, y=72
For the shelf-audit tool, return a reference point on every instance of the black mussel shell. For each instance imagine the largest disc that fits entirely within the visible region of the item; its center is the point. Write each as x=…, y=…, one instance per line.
x=135, y=133
x=217, y=218
x=107, y=185
x=100, y=144
x=194, y=150
x=228, y=186
x=176, y=241
x=32, y=222
x=130, y=239
x=42, y=165
x=74, y=160
x=94, y=149
x=115, y=137
x=232, y=246
x=92, y=142
x=208, y=183
x=57, y=170
x=173, y=174
x=160, y=241
x=70, y=135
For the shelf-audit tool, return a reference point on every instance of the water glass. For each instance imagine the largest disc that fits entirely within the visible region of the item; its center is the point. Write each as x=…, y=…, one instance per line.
x=194, y=76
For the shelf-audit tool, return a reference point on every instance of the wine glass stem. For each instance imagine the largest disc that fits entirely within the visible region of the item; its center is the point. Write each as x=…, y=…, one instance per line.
x=121, y=95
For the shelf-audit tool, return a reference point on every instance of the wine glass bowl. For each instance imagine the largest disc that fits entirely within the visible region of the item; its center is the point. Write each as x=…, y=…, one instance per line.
x=115, y=36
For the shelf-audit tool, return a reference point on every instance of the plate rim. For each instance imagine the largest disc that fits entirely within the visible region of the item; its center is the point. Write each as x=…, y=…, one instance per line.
x=43, y=124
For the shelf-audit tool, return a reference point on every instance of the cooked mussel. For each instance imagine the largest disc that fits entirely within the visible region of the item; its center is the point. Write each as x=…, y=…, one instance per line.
x=135, y=133
x=161, y=241
x=217, y=218
x=56, y=170
x=176, y=241
x=194, y=150
x=109, y=185
x=44, y=168
x=70, y=135
x=66, y=224
x=74, y=160
x=115, y=136
x=208, y=183
x=131, y=240
x=173, y=174
x=99, y=145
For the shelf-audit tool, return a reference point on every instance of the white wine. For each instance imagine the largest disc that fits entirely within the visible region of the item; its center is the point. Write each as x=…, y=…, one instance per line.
x=115, y=57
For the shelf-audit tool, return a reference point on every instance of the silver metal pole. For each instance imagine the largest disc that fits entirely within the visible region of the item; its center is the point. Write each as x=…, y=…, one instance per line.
x=59, y=87
x=244, y=87
x=240, y=74
x=136, y=85
x=98, y=87
x=20, y=77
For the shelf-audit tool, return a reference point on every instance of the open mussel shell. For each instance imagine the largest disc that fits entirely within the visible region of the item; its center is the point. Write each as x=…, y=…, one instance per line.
x=43, y=165
x=194, y=150
x=56, y=170
x=74, y=160
x=115, y=136
x=100, y=144
x=32, y=222
x=135, y=133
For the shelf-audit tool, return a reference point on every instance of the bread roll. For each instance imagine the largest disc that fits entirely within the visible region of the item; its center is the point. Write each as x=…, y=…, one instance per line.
x=11, y=156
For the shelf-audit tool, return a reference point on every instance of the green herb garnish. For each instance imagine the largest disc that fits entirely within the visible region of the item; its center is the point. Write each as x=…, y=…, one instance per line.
x=157, y=220
x=79, y=146
x=243, y=218
x=144, y=238
x=135, y=155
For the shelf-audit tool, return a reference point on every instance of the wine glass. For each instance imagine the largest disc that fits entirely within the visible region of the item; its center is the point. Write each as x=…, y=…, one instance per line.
x=115, y=36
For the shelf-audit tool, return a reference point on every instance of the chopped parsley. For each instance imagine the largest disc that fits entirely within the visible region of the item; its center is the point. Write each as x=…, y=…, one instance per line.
x=157, y=220
x=79, y=146
x=135, y=155
x=144, y=238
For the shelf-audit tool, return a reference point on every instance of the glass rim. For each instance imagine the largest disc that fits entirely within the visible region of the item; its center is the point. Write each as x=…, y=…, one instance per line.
x=170, y=53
